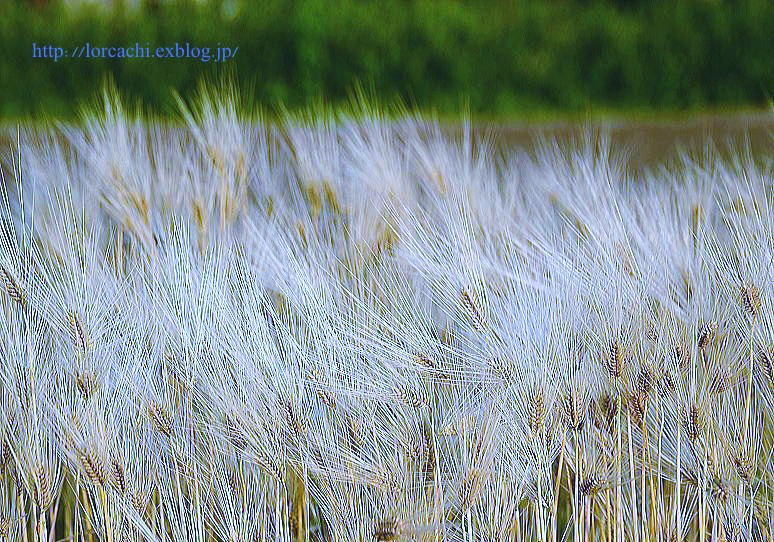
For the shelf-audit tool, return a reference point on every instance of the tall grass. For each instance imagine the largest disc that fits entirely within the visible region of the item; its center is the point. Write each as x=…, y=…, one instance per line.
x=359, y=328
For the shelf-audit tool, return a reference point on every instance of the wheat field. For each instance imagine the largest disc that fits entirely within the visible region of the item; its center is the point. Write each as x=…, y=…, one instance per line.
x=335, y=327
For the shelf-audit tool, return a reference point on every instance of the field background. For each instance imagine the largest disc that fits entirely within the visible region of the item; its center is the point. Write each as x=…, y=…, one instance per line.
x=497, y=60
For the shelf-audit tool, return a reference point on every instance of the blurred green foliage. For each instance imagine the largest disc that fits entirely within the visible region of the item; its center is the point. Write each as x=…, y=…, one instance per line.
x=493, y=57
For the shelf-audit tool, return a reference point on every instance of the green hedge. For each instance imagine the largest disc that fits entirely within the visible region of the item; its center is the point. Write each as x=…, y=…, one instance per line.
x=495, y=58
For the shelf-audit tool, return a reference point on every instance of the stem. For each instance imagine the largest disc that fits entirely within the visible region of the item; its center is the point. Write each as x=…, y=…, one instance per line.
x=557, y=485
x=42, y=529
x=576, y=484
x=678, y=512
x=632, y=483
x=106, y=514
x=619, y=474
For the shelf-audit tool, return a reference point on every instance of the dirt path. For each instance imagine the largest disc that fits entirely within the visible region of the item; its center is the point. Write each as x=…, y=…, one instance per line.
x=656, y=141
